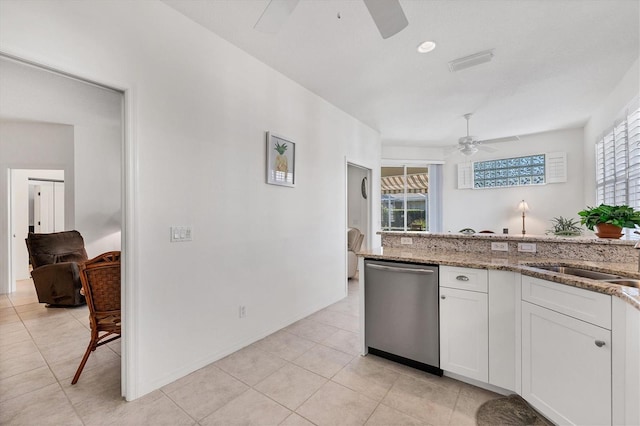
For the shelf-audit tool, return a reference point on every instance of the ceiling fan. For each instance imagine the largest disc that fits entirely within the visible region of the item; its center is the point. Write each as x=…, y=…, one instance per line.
x=387, y=15
x=469, y=145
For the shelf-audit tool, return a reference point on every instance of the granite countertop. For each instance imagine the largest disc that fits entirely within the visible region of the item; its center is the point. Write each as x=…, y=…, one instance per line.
x=523, y=265
x=585, y=239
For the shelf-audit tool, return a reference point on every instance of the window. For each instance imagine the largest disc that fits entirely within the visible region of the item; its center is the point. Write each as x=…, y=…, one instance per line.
x=618, y=162
x=405, y=198
x=529, y=170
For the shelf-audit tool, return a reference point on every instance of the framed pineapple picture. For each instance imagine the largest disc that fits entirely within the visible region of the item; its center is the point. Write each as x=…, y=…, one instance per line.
x=281, y=161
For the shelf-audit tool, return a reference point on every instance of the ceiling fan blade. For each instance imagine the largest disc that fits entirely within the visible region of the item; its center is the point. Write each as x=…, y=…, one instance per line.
x=500, y=140
x=388, y=16
x=275, y=15
x=486, y=148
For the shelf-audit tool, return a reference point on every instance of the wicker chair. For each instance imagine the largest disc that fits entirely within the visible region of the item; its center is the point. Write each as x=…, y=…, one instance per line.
x=100, y=278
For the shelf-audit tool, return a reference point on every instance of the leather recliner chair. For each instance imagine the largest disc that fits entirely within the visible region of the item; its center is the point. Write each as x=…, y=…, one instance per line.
x=354, y=242
x=56, y=274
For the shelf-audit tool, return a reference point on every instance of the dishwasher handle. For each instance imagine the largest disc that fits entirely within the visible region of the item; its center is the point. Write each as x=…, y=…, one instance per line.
x=397, y=269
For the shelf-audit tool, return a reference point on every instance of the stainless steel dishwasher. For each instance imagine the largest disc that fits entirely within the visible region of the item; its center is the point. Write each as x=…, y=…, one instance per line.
x=401, y=313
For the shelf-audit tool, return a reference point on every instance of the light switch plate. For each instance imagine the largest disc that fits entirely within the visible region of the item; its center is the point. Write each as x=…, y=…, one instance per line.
x=180, y=234
x=500, y=246
x=527, y=247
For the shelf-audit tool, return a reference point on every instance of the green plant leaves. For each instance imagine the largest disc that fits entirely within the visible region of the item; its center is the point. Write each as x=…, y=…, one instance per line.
x=622, y=216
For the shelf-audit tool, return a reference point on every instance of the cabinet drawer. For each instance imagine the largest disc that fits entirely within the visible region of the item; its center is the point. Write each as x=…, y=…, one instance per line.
x=464, y=278
x=589, y=306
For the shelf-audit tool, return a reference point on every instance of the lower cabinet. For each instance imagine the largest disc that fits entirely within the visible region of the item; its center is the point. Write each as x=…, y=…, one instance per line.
x=566, y=367
x=464, y=333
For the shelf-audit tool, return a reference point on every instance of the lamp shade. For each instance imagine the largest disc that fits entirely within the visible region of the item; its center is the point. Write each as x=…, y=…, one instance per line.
x=523, y=206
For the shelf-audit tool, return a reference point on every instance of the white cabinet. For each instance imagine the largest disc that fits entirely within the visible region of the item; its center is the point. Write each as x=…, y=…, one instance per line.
x=464, y=326
x=566, y=362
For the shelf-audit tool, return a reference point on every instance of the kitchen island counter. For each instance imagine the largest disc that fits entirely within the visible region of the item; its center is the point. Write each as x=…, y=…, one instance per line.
x=521, y=264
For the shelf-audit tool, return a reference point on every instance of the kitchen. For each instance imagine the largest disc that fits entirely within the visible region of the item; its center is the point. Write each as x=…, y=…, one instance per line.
x=242, y=112
x=557, y=323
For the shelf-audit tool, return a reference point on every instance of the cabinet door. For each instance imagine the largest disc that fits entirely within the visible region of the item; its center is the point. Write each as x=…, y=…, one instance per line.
x=566, y=367
x=464, y=333
x=504, y=329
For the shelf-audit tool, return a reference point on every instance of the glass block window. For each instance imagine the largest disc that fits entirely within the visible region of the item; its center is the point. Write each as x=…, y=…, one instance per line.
x=516, y=171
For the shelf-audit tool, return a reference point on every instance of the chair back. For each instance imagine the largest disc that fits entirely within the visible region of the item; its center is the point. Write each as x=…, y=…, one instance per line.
x=100, y=278
x=56, y=247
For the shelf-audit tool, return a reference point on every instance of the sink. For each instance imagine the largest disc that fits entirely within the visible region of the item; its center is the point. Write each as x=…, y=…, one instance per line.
x=629, y=282
x=579, y=272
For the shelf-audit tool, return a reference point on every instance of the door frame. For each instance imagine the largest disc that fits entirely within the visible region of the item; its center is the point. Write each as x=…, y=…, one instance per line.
x=13, y=243
x=368, y=229
x=129, y=216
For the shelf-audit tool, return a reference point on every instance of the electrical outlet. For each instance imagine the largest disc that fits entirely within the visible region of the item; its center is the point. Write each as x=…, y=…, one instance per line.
x=527, y=247
x=406, y=240
x=242, y=311
x=500, y=246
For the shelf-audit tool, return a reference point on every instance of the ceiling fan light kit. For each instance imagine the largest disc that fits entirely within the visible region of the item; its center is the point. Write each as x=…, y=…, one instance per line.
x=468, y=150
x=471, y=60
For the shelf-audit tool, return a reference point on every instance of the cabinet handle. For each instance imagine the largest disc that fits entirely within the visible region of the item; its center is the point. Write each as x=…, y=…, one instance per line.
x=599, y=343
x=443, y=297
x=462, y=278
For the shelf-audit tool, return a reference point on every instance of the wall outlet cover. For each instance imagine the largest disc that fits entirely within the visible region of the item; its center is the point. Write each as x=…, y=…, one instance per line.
x=500, y=246
x=527, y=247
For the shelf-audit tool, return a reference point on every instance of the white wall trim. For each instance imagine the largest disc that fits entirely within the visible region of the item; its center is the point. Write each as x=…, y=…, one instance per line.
x=130, y=297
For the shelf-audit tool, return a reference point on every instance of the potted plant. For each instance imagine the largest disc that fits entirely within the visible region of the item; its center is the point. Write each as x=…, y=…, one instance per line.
x=418, y=225
x=565, y=227
x=608, y=221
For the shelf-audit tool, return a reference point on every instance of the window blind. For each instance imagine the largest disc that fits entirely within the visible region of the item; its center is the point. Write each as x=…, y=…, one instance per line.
x=618, y=162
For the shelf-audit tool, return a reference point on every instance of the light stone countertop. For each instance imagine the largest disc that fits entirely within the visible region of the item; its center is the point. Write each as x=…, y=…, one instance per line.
x=520, y=264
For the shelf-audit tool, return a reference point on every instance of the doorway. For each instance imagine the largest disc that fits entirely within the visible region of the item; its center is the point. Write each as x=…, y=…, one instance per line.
x=50, y=120
x=36, y=204
x=358, y=208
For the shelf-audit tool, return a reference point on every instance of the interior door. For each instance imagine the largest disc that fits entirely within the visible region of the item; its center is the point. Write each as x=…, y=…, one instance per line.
x=58, y=206
x=48, y=206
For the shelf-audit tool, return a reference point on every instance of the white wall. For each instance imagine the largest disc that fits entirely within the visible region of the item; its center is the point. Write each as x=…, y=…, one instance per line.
x=427, y=154
x=495, y=209
x=200, y=110
x=611, y=109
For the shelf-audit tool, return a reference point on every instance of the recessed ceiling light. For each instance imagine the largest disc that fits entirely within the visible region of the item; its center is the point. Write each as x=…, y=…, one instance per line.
x=426, y=46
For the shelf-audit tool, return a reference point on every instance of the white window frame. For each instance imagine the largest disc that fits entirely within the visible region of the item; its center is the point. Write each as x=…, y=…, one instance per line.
x=434, y=196
x=618, y=160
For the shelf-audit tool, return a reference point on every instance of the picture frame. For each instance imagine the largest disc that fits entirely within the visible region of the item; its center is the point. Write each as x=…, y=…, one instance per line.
x=281, y=161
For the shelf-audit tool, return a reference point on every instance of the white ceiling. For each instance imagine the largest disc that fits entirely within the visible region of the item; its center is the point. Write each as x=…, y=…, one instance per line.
x=555, y=61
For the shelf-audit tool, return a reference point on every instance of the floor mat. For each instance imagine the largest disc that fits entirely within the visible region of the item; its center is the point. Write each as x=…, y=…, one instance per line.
x=511, y=410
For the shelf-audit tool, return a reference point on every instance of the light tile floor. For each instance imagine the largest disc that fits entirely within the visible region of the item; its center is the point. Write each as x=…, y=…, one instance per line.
x=307, y=373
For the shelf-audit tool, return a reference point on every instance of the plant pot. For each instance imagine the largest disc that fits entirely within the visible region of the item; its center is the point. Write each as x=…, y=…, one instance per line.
x=607, y=230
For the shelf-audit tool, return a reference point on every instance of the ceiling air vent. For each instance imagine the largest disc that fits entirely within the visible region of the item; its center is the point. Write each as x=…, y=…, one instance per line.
x=471, y=60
